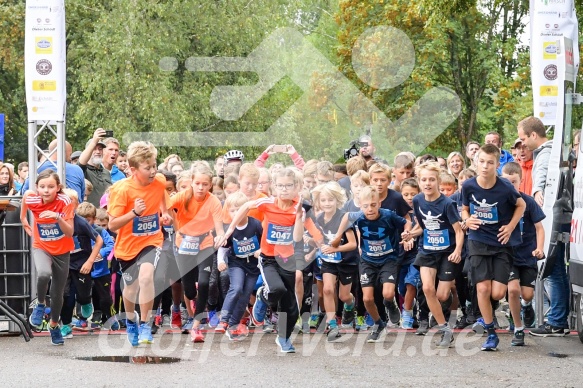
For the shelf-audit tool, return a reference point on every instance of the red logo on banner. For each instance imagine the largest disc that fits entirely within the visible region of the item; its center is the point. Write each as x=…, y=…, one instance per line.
x=569, y=56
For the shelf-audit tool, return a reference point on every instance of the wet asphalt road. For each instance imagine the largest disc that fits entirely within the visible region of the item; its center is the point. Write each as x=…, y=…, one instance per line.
x=403, y=359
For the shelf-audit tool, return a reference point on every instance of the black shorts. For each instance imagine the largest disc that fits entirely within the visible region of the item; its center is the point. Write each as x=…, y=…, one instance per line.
x=130, y=269
x=446, y=270
x=346, y=273
x=526, y=275
x=167, y=263
x=372, y=275
x=489, y=262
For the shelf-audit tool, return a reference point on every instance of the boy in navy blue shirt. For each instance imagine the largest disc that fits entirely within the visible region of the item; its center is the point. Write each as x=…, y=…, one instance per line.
x=379, y=237
x=524, y=268
x=440, y=246
x=492, y=208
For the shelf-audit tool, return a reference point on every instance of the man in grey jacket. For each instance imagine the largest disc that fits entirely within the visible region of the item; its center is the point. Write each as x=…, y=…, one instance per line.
x=532, y=133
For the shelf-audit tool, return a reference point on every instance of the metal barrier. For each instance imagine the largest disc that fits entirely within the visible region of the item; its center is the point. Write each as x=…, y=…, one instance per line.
x=15, y=268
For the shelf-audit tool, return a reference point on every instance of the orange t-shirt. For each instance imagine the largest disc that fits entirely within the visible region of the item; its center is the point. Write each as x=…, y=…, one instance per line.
x=255, y=213
x=278, y=227
x=142, y=231
x=199, y=218
x=47, y=234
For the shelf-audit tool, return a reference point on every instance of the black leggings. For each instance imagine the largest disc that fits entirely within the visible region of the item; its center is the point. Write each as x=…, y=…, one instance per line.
x=77, y=288
x=195, y=268
x=102, y=286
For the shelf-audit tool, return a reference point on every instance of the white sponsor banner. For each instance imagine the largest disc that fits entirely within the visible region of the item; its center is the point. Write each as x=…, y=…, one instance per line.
x=45, y=60
x=550, y=20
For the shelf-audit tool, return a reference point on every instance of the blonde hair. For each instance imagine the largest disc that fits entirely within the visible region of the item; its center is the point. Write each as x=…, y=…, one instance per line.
x=101, y=214
x=231, y=178
x=88, y=185
x=249, y=170
x=202, y=169
x=355, y=165
x=467, y=173
x=232, y=168
x=310, y=168
x=380, y=168
x=403, y=161
x=198, y=163
x=453, y=155
x=86, y=209
x=139, y=152
x=360, y=175
x=236, y=199
x=71, y=194
x=447, y=179
x=296, y=175
x=429, y=166
x=184, y=175
x=332, y=189
x=368, y=192
x=325, y=168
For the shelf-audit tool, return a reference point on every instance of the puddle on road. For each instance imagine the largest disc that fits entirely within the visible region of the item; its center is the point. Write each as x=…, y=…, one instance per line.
x=558, y=355
x=132, y=359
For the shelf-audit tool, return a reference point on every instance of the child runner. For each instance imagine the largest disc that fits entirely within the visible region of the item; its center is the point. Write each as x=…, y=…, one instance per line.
x=492, y=210
x=134, y=211
x=337, y=263
x=53, y=214
x=240, y=253
x=447, y=184
x=403, y=170
x=441, y=245
x=198, y=214
x=282, y=225
x=524, y=267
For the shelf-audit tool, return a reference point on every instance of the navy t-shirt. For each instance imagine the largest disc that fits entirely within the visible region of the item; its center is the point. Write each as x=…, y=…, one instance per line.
x=436, y=218
x=379, y=239
x=244, y=242
x=329, y=230
x=494, y=207
x=457, y=200
x=83, y=235
x=396, y=203
x=533, y=214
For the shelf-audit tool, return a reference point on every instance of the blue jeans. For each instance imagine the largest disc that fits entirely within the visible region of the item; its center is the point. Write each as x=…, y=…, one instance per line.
x=242, y=283
x=559, y=288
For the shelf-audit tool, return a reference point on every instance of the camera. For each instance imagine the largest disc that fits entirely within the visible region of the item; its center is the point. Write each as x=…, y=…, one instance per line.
x=108, y=133
x=354, y=149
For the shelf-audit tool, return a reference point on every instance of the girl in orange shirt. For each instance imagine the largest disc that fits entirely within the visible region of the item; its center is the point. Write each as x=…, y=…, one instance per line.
x=52, y=213
x=198, y=213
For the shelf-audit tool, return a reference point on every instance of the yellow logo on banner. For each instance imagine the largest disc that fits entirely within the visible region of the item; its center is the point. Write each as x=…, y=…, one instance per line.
x=43, y=45
x=549, y=91
x=550, y=50
x=44, y=86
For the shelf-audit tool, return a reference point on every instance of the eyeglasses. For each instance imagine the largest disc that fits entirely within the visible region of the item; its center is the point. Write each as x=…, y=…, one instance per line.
x=265, y=183
x=288, y=186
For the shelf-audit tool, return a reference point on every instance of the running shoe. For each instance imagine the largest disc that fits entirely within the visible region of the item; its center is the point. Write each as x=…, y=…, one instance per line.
x=446, y=340
x=393, y=314
x=259, y=309
x=233, y=334
x=548, y=330
x=158, y=320
x=298, y=326
x=285, y=345
x=518, y=339
x=66, y=331
x=87, y=310
x=268, y=327
x=221, y=327
x=375, y=335
x=423, y=327
x=56, y=336
x=462, y=322
x=348, y=317
x=213, y=318
x=314, y=320
x=188, y=325
x=176, y=322
x=165, y=320
x=132, y=332
x=333, y=331
x=196, y=335
x=407, y=320
x=360, y=324
x=37, y=315
x=479, y=327
x=145, y=334
x=491, y=343
x=528, y=315
x=243, y=330
x=368, y=320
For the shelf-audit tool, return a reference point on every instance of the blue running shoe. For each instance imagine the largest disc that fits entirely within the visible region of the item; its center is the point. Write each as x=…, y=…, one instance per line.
x=285, y=345
x=132, y=332
x=407, y=319
x=479, y=327
x=491, y=343
x=259, y=309
x=36, y=317
x=66, y=332
x=56, y=336
x=214, y=318
x=368, y=320
x=145, y=336
x=188, y=325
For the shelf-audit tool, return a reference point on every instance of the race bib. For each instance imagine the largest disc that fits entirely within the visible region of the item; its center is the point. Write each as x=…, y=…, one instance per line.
x=246, y=247
x=77, y=245
x=169, y=229
x=335, y=257
x=435, y=240
x=190, y=245
x=377, y=247
x=146, y=225
x=486, y=214
x=50, y=232
x=279, y=235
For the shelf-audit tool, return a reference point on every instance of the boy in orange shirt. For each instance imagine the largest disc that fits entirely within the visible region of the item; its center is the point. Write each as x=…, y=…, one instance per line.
x=134, y=211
